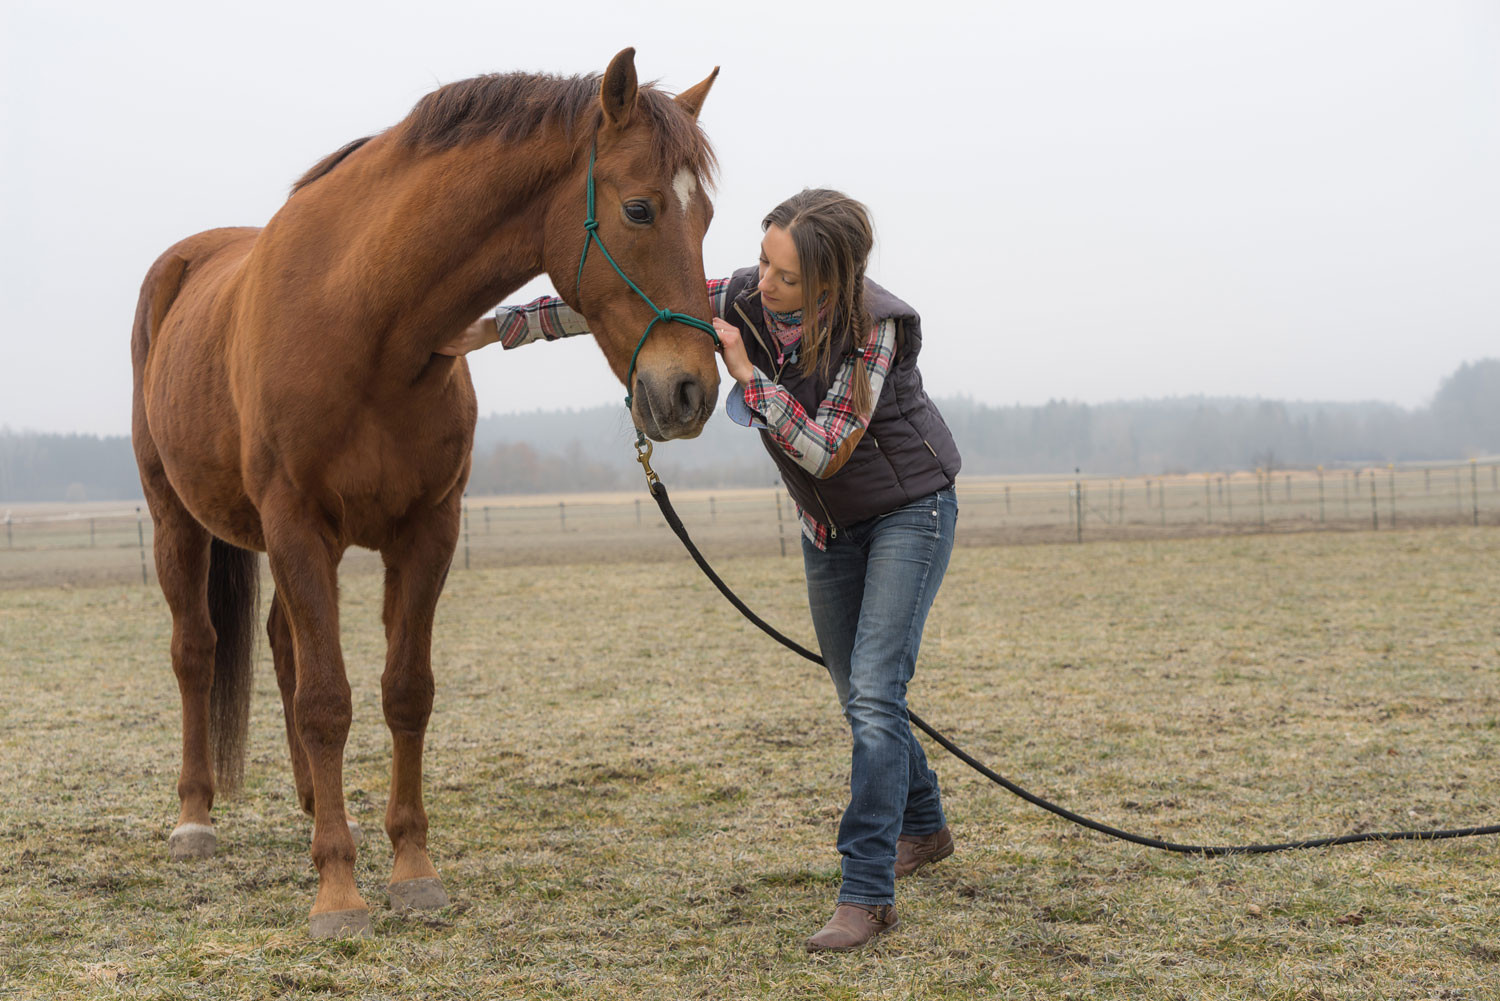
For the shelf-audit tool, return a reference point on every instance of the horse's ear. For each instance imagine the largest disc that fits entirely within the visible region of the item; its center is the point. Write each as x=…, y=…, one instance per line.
x=618, y=89
x=691, y=100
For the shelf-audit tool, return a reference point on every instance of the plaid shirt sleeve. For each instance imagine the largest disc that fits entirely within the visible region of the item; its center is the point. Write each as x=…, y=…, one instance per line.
x=823, y=442
x=718, y=295
x=549, y=318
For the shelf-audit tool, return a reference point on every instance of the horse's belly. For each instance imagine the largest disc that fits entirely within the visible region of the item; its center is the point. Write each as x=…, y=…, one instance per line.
x=214, y=493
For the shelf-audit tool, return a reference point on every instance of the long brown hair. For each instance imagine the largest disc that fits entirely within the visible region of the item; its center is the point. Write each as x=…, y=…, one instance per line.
x=833, y=237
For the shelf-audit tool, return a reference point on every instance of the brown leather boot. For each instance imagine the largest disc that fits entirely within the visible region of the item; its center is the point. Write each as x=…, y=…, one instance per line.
x=852, y=926
x=913, y=853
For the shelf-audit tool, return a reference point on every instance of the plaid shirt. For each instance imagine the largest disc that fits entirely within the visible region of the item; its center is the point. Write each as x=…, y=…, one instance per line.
x=819, y=443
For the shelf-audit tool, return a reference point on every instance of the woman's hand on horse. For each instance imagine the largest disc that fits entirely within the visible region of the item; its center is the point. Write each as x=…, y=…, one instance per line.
x=475, y=336
x=733, y=350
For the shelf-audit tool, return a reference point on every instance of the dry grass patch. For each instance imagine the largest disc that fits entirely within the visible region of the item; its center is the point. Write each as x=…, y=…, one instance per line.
x=634, y=794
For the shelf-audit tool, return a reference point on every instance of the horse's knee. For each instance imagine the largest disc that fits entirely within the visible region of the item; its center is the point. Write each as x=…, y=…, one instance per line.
x=407, y=699
x=323, y=721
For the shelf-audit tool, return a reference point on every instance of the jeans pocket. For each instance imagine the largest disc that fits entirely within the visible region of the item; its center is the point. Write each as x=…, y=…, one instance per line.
x=923, y=515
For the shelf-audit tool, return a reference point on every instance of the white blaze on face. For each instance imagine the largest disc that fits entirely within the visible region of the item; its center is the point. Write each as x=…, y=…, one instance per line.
x=684, y=184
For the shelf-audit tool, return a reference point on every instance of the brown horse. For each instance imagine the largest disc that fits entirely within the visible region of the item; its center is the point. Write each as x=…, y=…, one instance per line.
x=288, y=400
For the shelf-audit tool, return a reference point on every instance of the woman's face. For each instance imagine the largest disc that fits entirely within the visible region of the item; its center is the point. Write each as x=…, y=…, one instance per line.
x=780, y=275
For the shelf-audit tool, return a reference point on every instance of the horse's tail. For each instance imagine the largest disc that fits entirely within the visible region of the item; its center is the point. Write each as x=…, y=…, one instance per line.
x=233, y=608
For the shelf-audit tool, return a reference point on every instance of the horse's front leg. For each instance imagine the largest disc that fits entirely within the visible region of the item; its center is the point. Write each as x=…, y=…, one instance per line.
x=304, y=561
x=416, y=566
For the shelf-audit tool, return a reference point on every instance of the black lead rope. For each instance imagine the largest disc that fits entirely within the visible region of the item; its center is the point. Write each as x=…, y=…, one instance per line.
x=659, y=493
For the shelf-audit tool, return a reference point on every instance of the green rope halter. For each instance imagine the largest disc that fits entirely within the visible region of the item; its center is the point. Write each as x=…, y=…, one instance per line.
x=591, y=227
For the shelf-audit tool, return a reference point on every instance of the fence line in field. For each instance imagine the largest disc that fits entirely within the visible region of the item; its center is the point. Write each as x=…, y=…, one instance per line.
x=112, y=544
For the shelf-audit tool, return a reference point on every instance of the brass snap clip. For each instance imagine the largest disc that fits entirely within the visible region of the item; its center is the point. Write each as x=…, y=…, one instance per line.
x=643, y=456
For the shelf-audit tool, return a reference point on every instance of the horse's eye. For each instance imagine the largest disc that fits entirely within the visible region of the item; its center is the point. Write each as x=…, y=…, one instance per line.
x=639, y=212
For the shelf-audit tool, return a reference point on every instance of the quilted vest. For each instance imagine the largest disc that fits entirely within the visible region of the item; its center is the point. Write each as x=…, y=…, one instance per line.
x=906, y=453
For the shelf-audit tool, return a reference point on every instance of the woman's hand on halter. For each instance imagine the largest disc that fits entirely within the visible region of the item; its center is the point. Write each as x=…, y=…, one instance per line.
x=475, y=336
x=733, y=350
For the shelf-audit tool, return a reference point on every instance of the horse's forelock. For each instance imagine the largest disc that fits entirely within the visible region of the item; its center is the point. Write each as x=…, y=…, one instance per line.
x=679, y=141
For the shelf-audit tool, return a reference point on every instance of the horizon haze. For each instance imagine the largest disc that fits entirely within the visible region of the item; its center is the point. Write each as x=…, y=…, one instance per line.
x=1085, y=201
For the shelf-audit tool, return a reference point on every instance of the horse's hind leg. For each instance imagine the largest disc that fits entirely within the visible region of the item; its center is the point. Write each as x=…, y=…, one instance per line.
x=304, y=561
x=279, y=632
x=182, y=564
x=416, y=567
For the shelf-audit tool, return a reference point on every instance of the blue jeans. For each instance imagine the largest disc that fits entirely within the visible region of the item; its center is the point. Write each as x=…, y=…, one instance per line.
x=869, y=593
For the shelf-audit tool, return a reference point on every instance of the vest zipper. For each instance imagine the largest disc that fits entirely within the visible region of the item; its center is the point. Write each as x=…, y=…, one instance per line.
x=833, y=528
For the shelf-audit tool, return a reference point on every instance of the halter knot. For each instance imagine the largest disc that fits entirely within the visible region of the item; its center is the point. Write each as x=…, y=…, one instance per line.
x=665, y=315
x=591, y=225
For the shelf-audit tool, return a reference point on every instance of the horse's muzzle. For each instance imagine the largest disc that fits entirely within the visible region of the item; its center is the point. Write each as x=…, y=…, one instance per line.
x=676, y=406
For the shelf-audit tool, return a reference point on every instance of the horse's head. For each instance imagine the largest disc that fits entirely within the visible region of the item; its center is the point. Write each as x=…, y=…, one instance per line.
x=651, y=164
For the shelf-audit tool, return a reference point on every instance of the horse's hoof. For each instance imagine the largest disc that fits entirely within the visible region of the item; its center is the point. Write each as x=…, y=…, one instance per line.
x=424, y=894
x=192, y=841
x=357, y=833
x=341, y=924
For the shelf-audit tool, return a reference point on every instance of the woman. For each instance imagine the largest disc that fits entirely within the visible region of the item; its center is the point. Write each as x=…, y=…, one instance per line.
x=825, y=365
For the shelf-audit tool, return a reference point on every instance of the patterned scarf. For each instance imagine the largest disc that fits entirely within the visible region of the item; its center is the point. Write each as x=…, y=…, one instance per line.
x=787, y=328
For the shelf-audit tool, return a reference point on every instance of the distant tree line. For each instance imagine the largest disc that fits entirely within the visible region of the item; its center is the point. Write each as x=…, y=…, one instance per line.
x=591, y=449
x=76, y=467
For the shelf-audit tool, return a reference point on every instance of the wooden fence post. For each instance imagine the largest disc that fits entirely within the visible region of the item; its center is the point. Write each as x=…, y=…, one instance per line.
x=1474, y=485
x=1078, y=500
x=1390, y=472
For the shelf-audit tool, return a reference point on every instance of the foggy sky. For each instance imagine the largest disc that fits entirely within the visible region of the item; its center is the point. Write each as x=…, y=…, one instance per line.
x=1086, y=201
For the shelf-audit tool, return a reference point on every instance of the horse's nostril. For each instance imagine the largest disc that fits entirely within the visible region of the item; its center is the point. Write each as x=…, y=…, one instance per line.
x=689, y=399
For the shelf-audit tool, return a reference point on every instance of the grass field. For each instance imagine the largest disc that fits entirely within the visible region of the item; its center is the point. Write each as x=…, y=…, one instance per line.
x=635, y=795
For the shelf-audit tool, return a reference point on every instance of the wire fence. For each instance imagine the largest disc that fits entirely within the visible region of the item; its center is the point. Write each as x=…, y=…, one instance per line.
x=68, y=545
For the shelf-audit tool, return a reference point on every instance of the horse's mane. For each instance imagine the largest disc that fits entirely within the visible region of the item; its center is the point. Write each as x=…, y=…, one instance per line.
x=513, y=106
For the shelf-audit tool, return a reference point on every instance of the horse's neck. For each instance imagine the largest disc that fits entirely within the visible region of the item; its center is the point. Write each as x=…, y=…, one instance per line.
x=420, y=243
